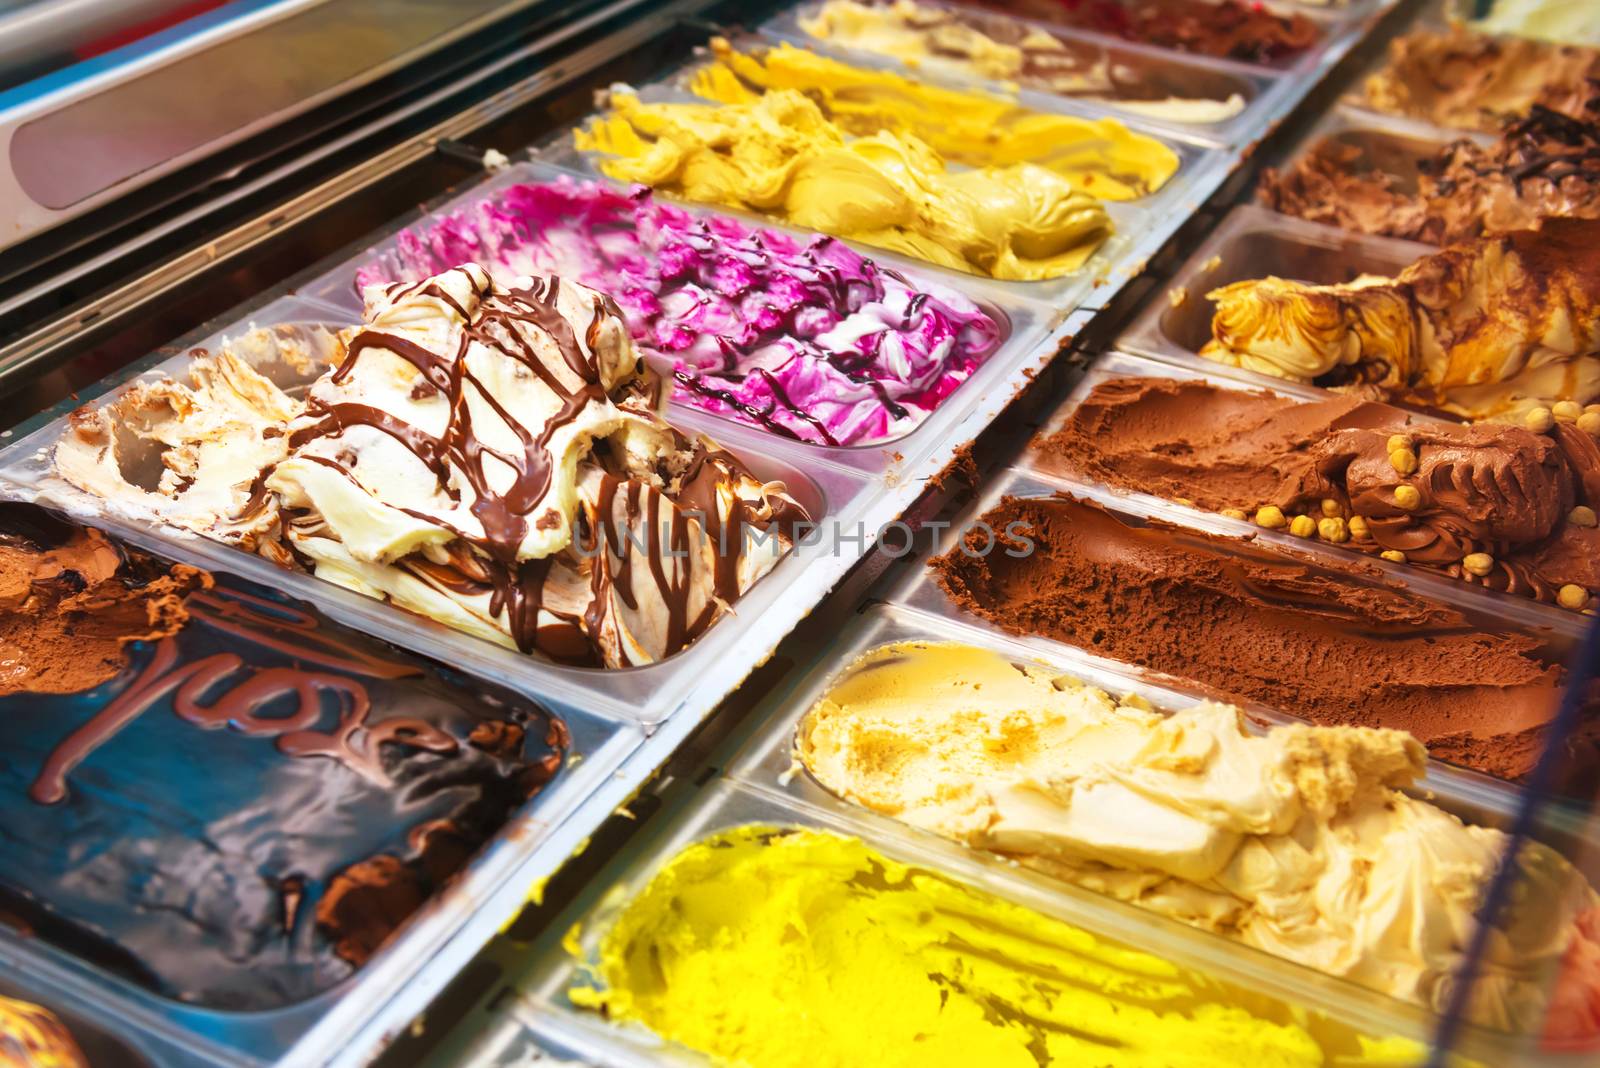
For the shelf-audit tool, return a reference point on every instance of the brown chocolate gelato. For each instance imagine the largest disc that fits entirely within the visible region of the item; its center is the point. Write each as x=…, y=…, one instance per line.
x=1231, y=29
x=67, y=611
x=1493, y=505
x=1250, y=624
x=1545, y=165
x=1476, y=82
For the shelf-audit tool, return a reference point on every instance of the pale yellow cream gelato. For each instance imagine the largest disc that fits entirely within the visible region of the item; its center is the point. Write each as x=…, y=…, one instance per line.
x=1297, y=842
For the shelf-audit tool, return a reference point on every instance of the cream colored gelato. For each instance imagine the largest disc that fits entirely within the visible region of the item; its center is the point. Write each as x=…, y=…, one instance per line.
x=1298, y=842
x=493, y=458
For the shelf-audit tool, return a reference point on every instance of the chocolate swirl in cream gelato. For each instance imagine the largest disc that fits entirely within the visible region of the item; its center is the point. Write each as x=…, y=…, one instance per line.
x=494, y=457
x=1498, y=506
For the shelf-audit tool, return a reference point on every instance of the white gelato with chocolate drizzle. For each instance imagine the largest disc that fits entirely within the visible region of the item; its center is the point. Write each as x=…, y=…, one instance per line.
x=496, y=459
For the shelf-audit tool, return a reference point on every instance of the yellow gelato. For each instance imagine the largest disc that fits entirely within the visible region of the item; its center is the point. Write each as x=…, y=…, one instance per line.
x=32, y=1037
x=780, y=155
x=1296, y=842
x=1099, y=156
x=801, y=948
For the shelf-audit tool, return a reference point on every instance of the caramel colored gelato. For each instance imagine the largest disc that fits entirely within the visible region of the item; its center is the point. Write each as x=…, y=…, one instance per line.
x=1544, y=165
x=783, y=157
x=1298, y=841
x=1487, y=329
x=1099, y=156
x=1476, y=82
x=32, y=1037
x=1247, y=623
x=493, y=456
x=1502, y=507
x=965, y=43
x=794, y=948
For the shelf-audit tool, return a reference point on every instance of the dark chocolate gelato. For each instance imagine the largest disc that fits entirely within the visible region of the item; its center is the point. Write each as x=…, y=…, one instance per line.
x=238, y=805
x=1248, y=623
x=1545, y=165
x=1493, y=505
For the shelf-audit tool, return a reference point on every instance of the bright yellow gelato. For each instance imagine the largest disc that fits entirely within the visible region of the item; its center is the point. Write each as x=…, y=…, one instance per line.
x=1099, y=156
x=780, y=155
x=801, y=948
x=1296, y=842
x=32, y=1037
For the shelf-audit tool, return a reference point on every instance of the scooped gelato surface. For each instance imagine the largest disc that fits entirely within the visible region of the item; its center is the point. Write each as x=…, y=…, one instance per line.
x=1474, y=81
x=1099, y=156
x=243, y=809
x=783, y=157
x=1247, y=623
x=1487, y=329
x=807, y=949
x=804, y=338
x=1497, y=506
x=493, y=457
x=975, y=44
x=1544, y=165
x=1297, y=842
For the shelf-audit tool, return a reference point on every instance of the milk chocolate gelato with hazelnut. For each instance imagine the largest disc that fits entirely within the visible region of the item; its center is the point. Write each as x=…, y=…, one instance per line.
x=1504, y=507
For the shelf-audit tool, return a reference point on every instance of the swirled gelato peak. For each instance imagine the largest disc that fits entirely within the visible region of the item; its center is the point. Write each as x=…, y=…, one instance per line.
x=493, y=456
x=1487, y=329
x=1505, y=507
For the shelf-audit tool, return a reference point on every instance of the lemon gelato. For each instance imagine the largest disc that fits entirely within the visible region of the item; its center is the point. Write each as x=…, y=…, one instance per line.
x=782, y=156
x=802, y=948
x=1298, y=842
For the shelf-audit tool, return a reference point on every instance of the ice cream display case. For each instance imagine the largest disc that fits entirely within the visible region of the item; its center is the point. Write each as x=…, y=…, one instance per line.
x=466, y=529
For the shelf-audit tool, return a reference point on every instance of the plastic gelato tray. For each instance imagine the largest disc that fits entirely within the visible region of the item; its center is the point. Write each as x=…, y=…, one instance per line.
x=1276, y=88
x=540, y=977
x=1513, y=609
x=1141, y=226
x=167, y=1030
x=1252, y=242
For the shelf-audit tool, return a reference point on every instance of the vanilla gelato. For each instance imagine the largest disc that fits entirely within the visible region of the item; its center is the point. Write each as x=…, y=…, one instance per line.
x=1298, y=842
